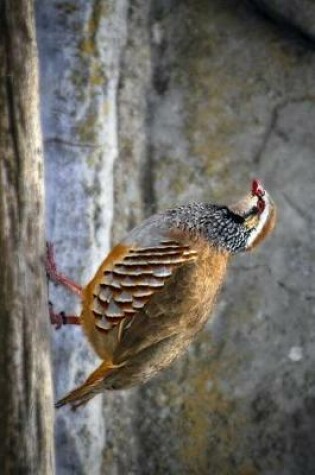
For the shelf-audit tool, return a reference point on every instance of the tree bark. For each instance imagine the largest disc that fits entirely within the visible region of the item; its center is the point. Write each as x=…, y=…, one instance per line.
x=25, y=379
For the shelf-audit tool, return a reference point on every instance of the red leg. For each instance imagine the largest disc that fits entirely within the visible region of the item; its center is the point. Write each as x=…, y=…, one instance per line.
x=57, y=277
x=60, y=319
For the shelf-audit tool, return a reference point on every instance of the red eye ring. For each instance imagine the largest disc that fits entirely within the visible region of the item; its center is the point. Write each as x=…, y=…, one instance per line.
x=261, y=205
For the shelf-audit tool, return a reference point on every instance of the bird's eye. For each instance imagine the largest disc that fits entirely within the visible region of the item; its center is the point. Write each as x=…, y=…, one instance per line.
x=260, y=205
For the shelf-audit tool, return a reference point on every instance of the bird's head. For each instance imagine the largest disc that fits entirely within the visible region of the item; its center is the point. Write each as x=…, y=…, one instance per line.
x=235, y=228
x=258, y=212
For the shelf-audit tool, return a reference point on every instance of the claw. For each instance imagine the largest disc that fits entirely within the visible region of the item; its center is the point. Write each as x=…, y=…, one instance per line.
x=61, y=318
x=55, y=318
x=50, y=263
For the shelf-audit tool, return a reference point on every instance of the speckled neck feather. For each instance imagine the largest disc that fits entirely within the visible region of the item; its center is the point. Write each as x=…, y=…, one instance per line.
x=218, y=224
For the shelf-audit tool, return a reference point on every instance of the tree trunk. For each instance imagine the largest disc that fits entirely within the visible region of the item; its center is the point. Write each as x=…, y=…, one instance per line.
x=25, y=379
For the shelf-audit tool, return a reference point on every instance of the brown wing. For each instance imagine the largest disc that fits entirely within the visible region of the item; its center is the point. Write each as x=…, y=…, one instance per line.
x=127, y=287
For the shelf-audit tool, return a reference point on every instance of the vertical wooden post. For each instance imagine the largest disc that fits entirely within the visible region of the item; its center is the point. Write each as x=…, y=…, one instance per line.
x=26, y=432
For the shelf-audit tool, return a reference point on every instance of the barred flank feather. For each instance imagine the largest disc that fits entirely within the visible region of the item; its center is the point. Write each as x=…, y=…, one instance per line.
x=125, y=289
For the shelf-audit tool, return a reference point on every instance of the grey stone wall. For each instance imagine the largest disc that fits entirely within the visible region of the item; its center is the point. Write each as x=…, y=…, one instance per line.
x=150, y=104
x=299, y=14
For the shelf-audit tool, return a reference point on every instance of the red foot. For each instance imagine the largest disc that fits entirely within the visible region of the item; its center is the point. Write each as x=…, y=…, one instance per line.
x=60, y=319
x=57, y=277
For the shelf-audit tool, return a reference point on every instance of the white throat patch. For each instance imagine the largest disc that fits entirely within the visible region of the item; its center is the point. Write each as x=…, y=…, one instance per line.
x=262, y=221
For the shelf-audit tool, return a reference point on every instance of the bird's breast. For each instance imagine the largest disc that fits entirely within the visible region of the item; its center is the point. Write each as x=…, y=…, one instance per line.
x=191, y=293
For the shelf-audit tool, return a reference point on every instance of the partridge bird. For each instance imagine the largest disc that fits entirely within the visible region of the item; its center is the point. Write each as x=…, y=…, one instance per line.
x=155, y=290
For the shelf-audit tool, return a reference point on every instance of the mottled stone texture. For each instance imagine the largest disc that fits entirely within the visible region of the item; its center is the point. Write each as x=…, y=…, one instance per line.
x=299, y=14
x=80, y=44
x=148, y=104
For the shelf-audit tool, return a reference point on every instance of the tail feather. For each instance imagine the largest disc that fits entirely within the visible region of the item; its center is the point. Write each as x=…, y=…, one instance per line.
x=78, y=396
x=92, y=386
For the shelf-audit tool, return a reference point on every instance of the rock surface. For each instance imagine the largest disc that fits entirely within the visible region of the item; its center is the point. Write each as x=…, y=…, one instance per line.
x=150, y=104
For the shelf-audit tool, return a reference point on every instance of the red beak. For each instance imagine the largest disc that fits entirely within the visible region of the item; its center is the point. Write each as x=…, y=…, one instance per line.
x=257, y=188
